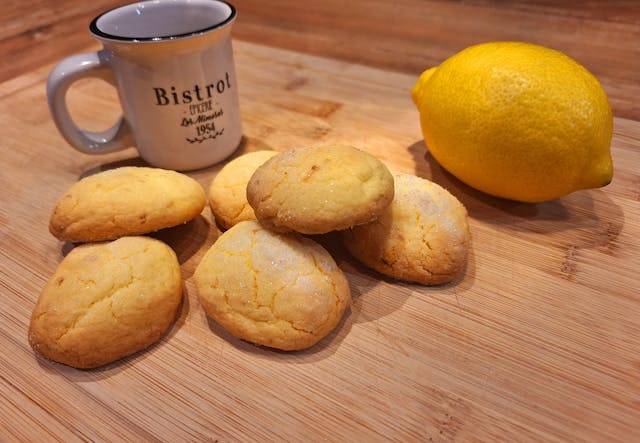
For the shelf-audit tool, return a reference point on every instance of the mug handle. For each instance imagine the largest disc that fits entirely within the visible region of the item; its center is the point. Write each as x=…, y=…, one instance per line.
x=91, y=64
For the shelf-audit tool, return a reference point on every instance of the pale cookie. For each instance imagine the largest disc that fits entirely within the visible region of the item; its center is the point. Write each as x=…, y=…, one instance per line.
x=423, y=236
x=126, y=201
x=278, y=290
x=228, y=191
x=315, y=190
x=106, y=301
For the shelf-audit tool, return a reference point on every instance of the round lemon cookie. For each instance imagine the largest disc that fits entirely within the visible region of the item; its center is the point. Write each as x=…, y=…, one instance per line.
x=278, y=290
x=314, y=190
x=106, y=301
x=228, y=190
x=125, y=201
x=423, y=236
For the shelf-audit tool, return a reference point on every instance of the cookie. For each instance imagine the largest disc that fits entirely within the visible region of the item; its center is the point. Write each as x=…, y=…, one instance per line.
x=228, y=191
x=314, y=190
x=106, y=301
x=422, y=237
x=125, y=201
x=278, y=290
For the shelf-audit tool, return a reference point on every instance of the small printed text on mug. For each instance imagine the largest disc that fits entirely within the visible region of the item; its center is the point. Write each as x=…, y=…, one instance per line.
x=199, y=105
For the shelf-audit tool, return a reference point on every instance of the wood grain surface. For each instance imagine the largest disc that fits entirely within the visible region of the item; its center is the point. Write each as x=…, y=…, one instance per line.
x=402, y=35
x=536, y=341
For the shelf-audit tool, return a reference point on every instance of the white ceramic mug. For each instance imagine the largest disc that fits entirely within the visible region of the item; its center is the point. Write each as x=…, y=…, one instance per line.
x=171, y=62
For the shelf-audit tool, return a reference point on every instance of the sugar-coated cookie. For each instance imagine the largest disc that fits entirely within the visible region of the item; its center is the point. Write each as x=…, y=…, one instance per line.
x=106, y=301
x=228, y=191
x=314, y=190
x=278, y=290
x=125, y=201
x=423, y=236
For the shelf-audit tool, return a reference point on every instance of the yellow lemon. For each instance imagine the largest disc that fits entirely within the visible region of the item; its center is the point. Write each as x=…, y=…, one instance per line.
x=517, y=120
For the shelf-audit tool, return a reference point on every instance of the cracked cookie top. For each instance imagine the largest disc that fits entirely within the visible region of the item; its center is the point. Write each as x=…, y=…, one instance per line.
x=228, y=190
x=278, y=290
x=314, y=190
x=423, y=236
x=106, y=301
x=125, y=201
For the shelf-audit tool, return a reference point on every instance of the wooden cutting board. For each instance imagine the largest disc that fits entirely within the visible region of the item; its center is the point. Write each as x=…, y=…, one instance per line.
x=537, y=341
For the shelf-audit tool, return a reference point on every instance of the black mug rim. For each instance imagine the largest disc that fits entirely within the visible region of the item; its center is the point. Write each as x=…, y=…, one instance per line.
x=93, y=27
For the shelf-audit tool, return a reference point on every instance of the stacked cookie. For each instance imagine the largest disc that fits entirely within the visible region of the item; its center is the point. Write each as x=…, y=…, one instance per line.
x=119, y=292
x=262, y=280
